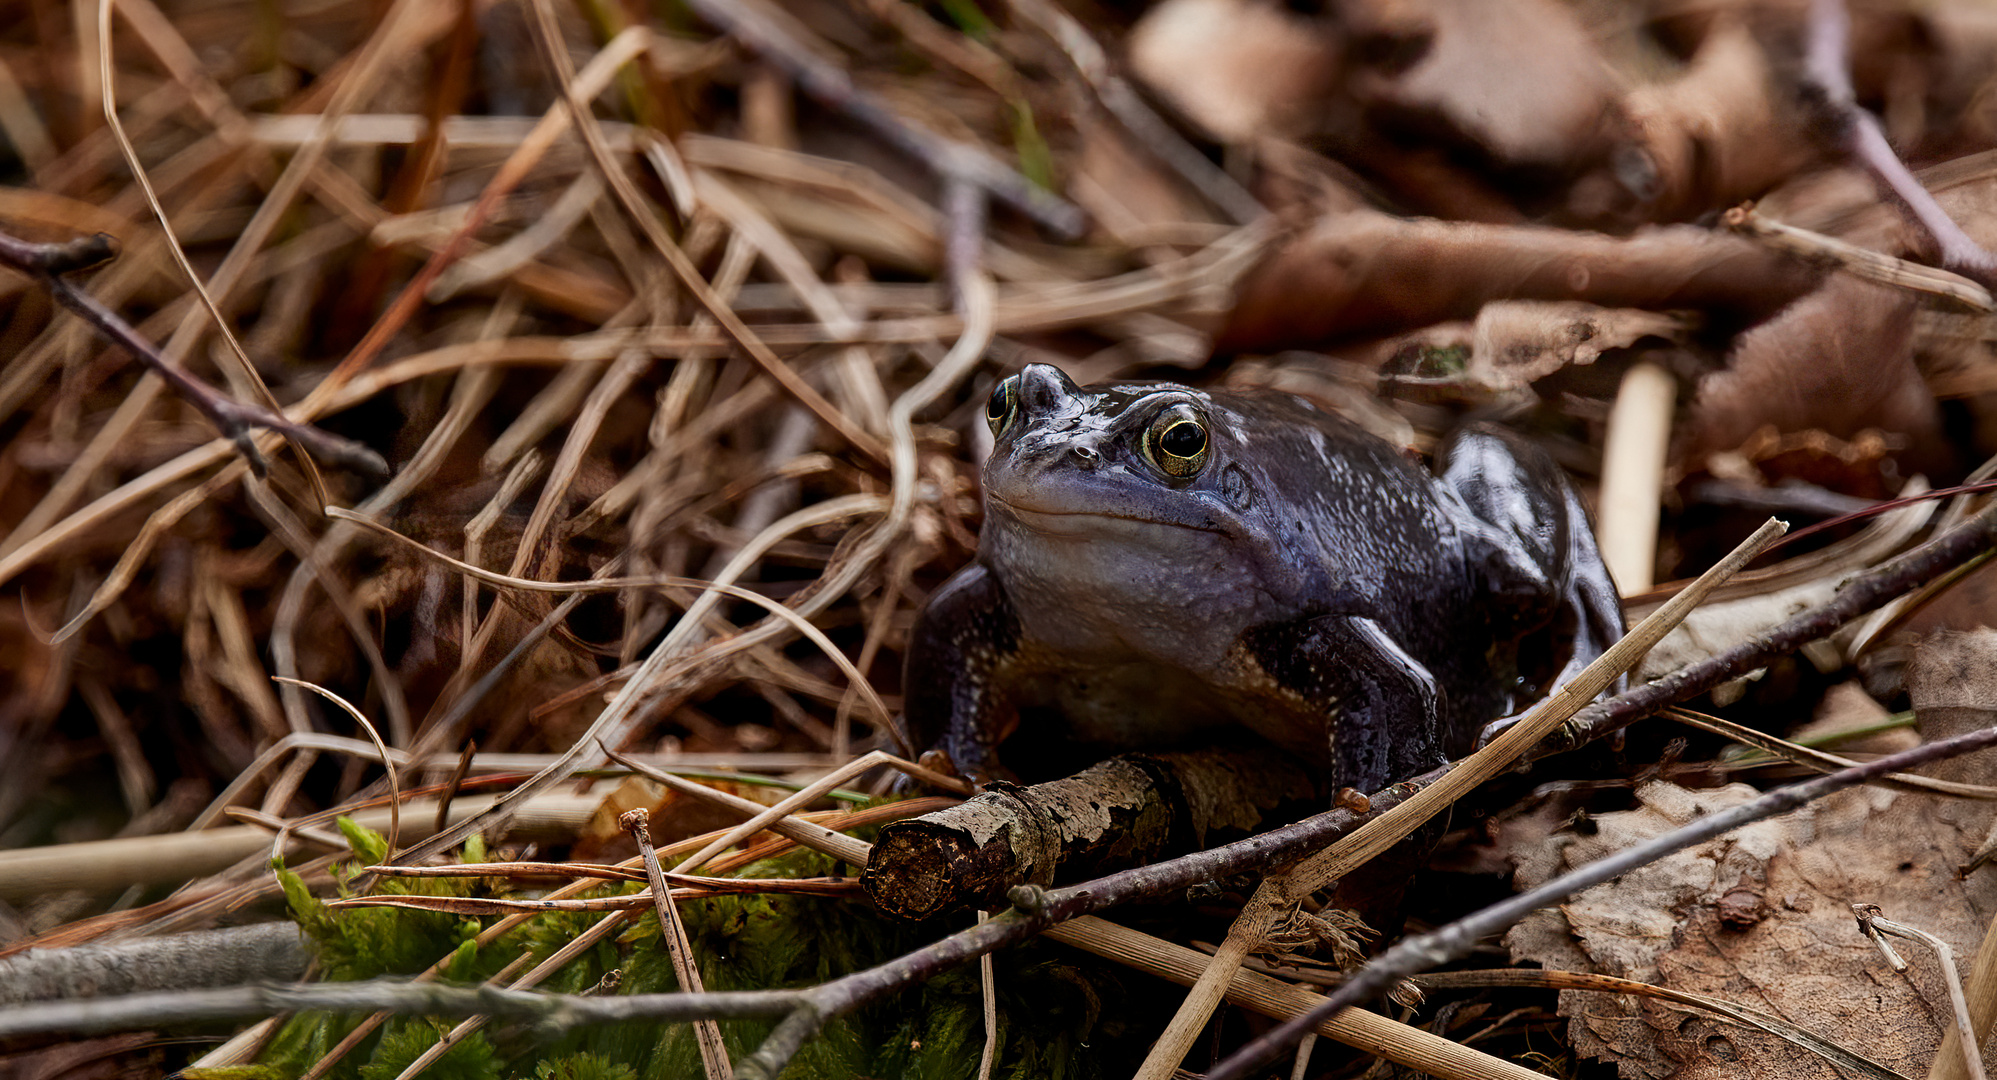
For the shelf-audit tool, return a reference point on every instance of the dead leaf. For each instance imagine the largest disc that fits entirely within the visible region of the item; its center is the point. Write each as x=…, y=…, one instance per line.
x=1839, y=360
x=1722, y=131
x=1240, y=69
x=1363, y=273
x=1801, y=958
x=1455, y=65
x=1953, y=683
x=1515, y=342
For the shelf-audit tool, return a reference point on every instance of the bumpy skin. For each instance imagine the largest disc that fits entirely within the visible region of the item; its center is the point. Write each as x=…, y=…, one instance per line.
x=1302, y=578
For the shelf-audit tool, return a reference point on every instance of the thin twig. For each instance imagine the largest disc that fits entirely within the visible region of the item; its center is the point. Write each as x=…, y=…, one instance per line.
x=46, y=263
x=1825, y=64
x=1859, y=262
x=554, y=1013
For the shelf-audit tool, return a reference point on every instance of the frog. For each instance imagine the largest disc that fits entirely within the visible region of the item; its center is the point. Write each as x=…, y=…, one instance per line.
x=1161, y=565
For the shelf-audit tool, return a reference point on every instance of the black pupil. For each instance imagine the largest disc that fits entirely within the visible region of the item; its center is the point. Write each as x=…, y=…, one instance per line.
x=1184, y=439
x=996, y=409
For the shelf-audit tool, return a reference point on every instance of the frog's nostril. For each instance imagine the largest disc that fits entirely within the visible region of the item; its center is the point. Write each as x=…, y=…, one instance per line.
x=1087, y=455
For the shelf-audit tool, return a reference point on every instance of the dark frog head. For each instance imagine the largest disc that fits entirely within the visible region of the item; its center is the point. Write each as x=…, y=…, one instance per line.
x=1126, y=507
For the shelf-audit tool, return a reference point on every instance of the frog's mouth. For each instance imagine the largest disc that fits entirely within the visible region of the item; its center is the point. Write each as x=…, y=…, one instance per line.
x=1069, y=522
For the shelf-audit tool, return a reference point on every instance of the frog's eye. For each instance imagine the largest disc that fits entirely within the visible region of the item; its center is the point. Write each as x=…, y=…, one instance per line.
x=1177, y=442
x=1004, y=405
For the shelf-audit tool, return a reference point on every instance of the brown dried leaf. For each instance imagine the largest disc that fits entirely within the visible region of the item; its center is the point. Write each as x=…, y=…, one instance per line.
x=1466, y=76
x=1760, y=917
x=1953, y=684
x=1840, y=361
x=1514, y=342
x=1365, y=273
x=1240, y=69
x=1722, y=131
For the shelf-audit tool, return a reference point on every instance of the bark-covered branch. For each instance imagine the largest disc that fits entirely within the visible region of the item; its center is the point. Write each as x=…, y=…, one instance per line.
x=226, y=957
x=551, y=1013
x=1129, y=810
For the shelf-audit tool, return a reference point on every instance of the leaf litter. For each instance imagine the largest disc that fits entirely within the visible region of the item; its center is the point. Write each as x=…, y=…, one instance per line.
x=712, y=293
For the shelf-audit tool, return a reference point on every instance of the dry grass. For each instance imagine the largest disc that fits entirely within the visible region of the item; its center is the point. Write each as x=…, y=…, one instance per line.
x=588, y=352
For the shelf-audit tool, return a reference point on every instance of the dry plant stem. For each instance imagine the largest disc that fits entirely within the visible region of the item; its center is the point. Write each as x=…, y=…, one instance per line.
x=817, y=636
x=713, y=1056
x=1825, y=64
x=1385, y=830
x=1365, y=1031
x=1415, y=955
x=246, y=371
x=47, y=262
x=1250, y=930
x=387, y=763
x=1860, y=262
x=1633, y=459
x=842, y=888
x=1982, y=991
x=553, y=1013
x=964, y=211
x=647, y=220
x=988, y=984
x=817, y=837
x=102, y=865
x=804, y=797
x=1279, y=893
x=1871, y=922
x=1862, y=594
x=1823, y=762
x=834, y=88
x=1609, y=984
x=1138, y=118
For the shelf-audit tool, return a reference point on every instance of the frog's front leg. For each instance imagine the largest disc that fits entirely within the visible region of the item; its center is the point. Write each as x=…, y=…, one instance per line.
x=1383, y=706
x=952, y=686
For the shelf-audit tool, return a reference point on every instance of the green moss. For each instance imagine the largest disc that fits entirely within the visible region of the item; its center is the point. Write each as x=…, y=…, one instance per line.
x=472, y=1058
x=584, y=1067
x=1050, y=999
